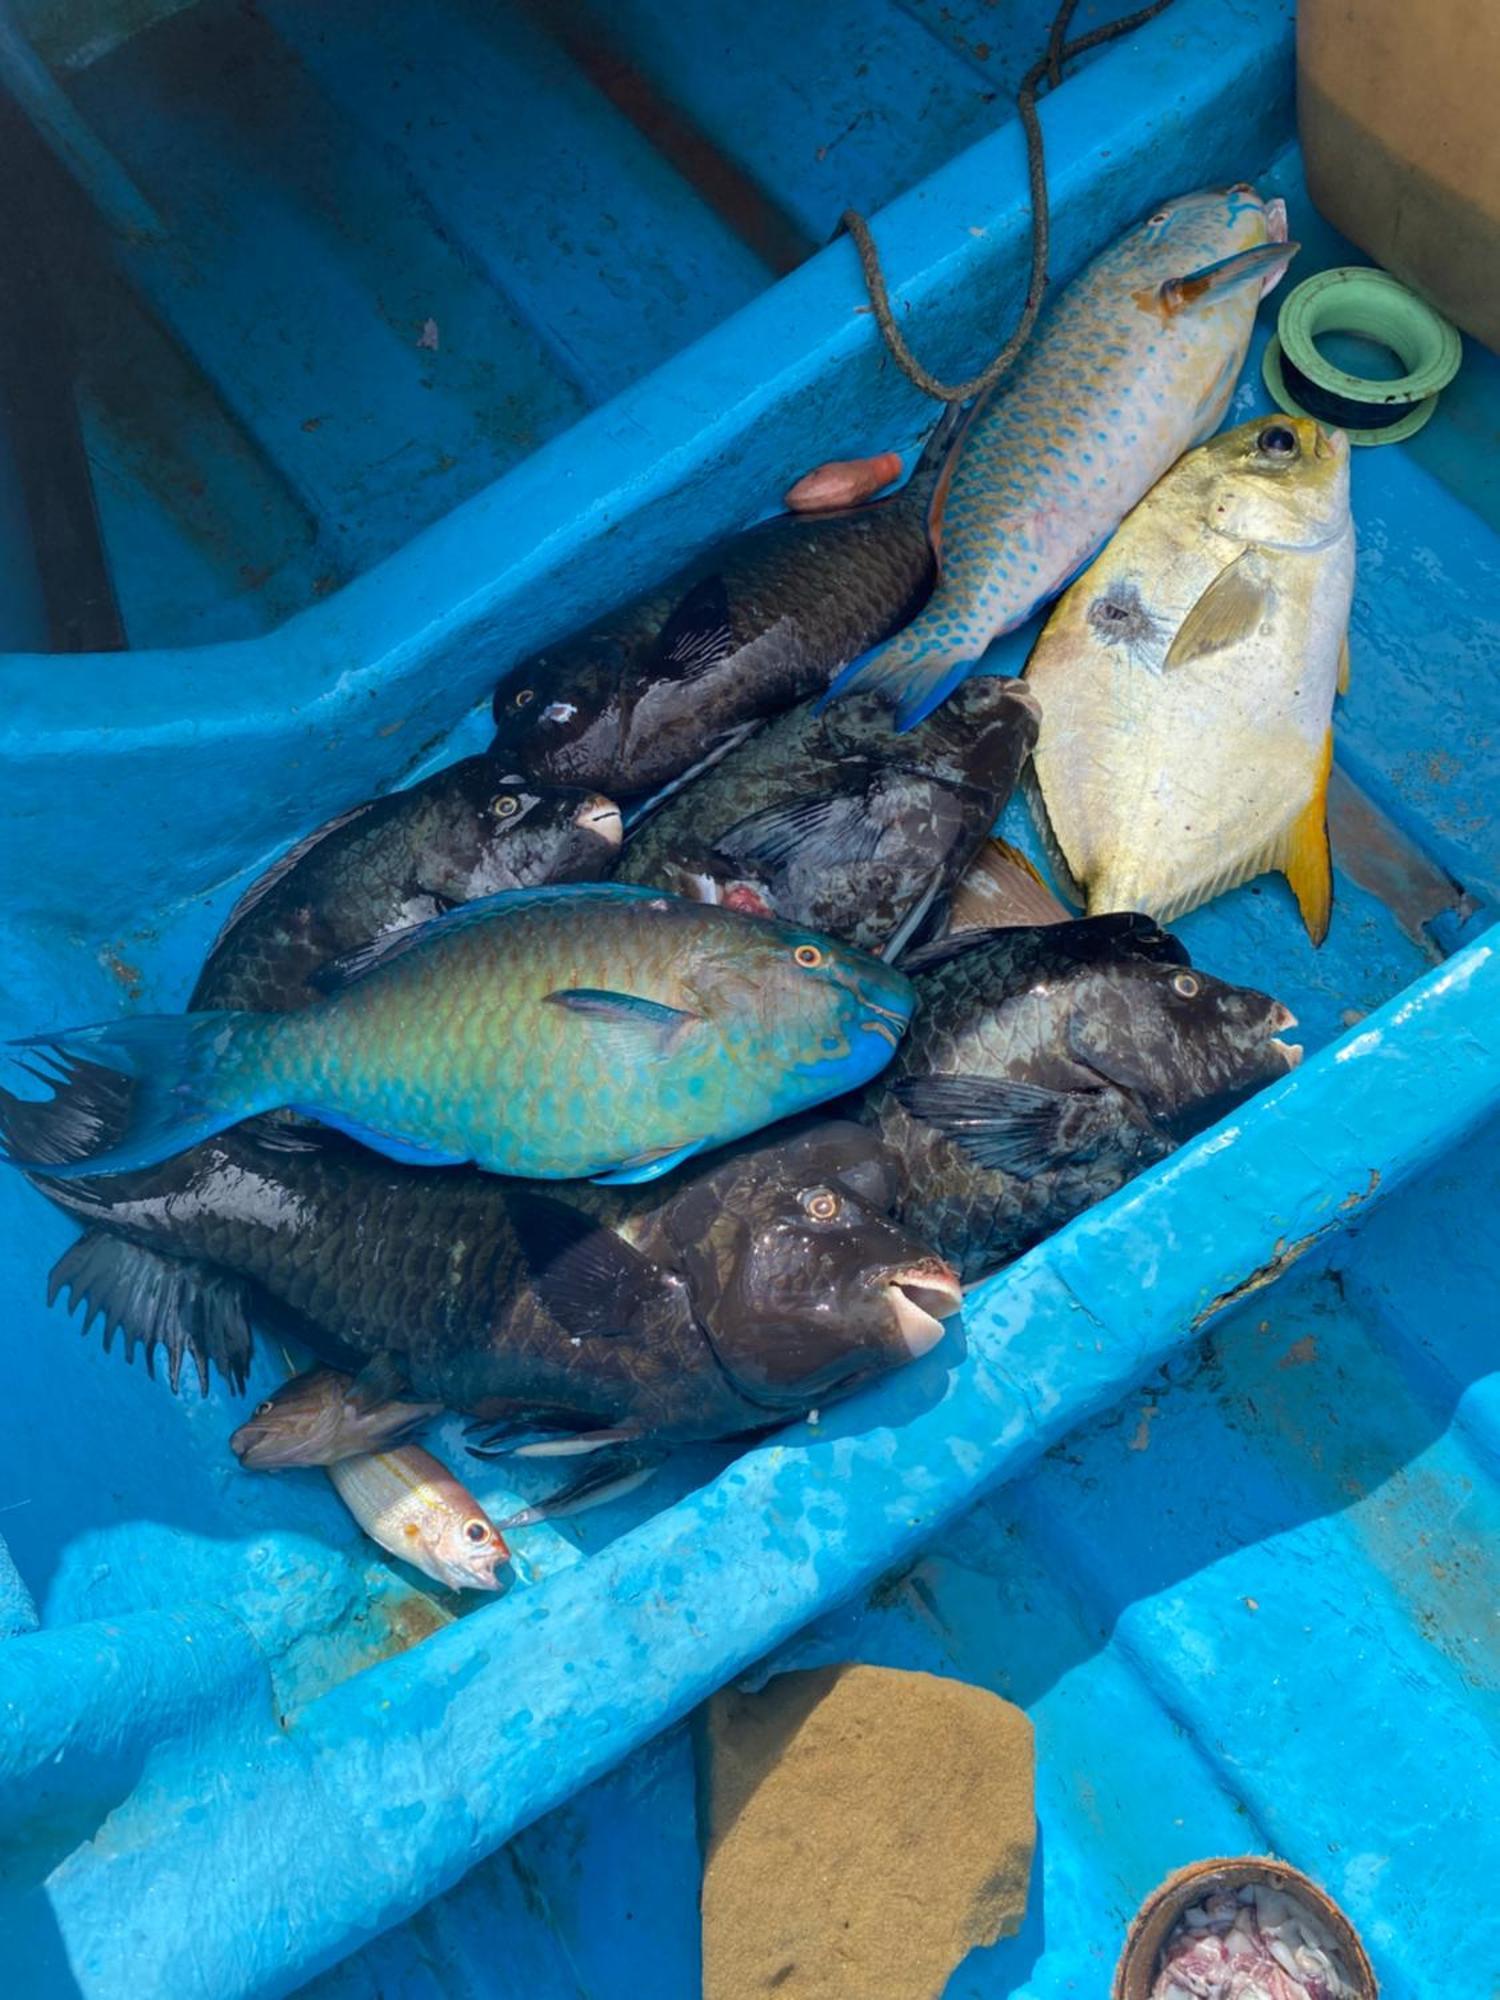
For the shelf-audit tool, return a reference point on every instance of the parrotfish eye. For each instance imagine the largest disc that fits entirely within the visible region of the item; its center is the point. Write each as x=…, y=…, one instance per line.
x=264, y=1409
x=1243, y=187
x=477, y=1531
x=821, y=1203
x=1277, y=441
x=505, y=806
x=809, y=956
x=1186, y=985
x=1162, y=215
x=523, y=697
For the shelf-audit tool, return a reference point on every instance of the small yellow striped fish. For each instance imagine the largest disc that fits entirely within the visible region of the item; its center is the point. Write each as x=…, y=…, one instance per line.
x=413, y=1507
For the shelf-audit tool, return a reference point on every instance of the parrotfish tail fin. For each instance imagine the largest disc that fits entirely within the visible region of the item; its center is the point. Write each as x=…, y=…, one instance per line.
x=129, y=1093
x=191, y=1311
x=917, y=670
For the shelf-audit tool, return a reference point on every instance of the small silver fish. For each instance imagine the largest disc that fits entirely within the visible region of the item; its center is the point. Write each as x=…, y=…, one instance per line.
x=415, y=1509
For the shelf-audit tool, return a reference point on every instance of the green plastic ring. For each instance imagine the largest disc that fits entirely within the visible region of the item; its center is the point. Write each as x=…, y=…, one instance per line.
x=1361, y=300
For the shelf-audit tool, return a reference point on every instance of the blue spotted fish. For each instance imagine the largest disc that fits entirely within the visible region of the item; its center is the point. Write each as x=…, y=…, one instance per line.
x=1134, y=363
x=589, y=1028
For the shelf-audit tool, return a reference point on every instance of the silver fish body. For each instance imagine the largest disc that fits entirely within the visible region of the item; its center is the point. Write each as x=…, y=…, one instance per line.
x=412, y=1505
x=1187, y=680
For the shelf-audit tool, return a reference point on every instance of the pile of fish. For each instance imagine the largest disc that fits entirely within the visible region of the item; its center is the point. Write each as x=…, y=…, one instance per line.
x=484, y=1130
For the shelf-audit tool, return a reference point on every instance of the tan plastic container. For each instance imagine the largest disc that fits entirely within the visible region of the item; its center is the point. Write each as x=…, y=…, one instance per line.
x=1399, y=107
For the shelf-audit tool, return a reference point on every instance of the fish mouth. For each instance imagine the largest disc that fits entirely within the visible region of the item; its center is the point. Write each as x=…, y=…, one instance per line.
x=1024, y=696
x=1290, y=1053
x=601, y=816
x=1329, y=443
x=921, y=1297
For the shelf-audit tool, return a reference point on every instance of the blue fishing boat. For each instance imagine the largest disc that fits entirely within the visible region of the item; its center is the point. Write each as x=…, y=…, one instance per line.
x=358, y=351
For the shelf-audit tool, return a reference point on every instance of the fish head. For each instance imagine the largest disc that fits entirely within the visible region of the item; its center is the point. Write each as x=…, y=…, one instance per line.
x=1186, y=1046
x=982, y=734
x=560, y=716
x=312, y=1420
x=827, y=1014
x=527, y=833
x=1281, y=482
x=460, y=1546
x=1188, y=231
x=799, y=1274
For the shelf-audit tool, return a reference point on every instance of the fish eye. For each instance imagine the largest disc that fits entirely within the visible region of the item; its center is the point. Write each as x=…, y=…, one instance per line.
x=808, y=955
x=505, y=806
x=1243, y=187
x=1155, y=221
x=477, y=1531
x=1277, y=441
x=1186, y=985
x=523, y=697
x=821, y=1203
x=264, y=1409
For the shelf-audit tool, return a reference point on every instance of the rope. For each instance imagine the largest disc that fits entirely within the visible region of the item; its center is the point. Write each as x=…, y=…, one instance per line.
x=1049, y=71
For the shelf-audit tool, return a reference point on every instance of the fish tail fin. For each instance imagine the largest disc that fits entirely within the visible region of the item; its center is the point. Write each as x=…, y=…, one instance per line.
x=128, y=1093
x=916, y=671
x=189, y=1310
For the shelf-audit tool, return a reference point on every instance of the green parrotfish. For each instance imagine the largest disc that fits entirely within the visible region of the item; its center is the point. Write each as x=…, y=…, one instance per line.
x=554, y=1033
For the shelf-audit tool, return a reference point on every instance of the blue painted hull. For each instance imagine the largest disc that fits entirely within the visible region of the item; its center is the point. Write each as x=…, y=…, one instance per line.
x=1244, y=1588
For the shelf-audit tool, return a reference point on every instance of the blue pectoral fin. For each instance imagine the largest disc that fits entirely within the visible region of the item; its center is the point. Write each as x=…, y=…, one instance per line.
x=635, y=1171
x=390, y=1144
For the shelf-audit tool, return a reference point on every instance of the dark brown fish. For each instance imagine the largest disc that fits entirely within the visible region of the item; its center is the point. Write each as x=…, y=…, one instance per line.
x=665, y=683
x=467, y=831
x=716, y=1303
x=1046, y=1066
x=834, y=820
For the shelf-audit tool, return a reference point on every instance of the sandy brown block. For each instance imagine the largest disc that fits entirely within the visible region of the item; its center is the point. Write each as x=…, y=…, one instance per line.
x=866, y=1828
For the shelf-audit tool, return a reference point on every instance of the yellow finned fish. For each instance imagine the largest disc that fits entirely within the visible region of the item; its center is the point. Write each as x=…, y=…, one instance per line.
x=1187, y=680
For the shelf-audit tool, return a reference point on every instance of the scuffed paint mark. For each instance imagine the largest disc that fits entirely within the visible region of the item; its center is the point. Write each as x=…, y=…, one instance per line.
x=1282, y=1258
x=1142, y=1439
x=1300, y=1353
x=428, y=337
x=1284, y=1255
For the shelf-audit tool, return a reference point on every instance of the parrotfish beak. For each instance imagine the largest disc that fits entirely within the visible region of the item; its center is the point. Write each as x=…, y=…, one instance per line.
x=1283, y=1018
x=601, y=817
x=1330, y=444
x=922, y=1296
x=1275, y=219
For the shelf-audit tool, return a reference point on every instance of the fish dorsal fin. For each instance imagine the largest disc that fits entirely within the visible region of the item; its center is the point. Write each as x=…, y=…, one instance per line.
x=279, y=869
x=1304, y=858
x=698, y=634
x=1231, y=608
x=1118, y=934
x=342, y=972
x=1211, y=283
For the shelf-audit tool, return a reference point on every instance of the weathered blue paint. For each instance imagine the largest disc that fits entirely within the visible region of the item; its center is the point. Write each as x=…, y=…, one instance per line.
x=214, y=1780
